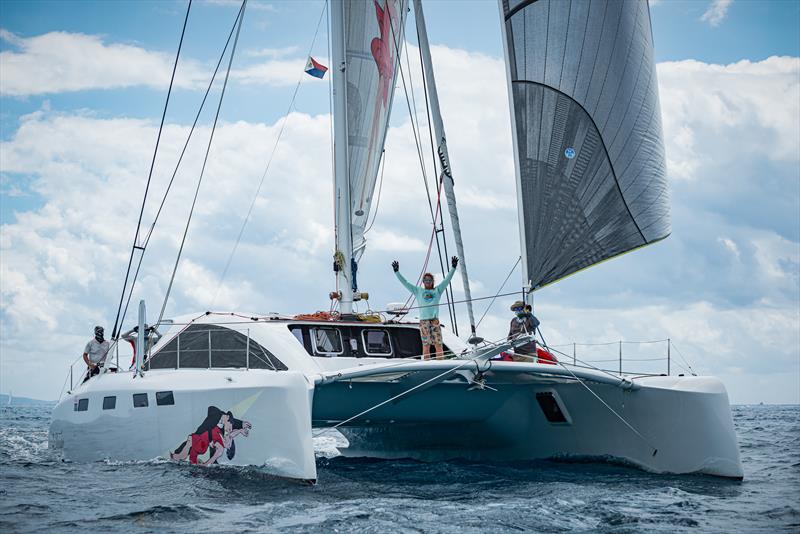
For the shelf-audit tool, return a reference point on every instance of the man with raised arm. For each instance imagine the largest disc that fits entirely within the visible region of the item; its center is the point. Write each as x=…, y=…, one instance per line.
x=430, y=331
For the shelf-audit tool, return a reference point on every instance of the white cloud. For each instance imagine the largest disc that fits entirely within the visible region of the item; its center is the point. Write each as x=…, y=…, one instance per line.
x=272, y=52
x=711, y=105
x=58, y=62
x=254, y=5
x=386, y=240
x=716, y=12
x=730, y=245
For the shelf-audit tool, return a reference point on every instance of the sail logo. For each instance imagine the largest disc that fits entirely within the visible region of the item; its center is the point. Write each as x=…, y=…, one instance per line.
x=569, y=153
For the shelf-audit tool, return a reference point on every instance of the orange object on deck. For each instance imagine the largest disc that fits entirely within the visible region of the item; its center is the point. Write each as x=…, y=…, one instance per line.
x=318, y=316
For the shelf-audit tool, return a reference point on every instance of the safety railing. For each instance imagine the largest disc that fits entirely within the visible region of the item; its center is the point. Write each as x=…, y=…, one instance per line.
x=649, y=357
x=199, y=348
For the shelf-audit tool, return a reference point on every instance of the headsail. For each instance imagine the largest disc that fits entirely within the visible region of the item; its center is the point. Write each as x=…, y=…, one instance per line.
x=373, y=41
x=591, y=177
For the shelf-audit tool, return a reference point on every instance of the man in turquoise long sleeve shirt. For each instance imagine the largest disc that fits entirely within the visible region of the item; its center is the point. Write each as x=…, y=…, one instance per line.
x=430, y=330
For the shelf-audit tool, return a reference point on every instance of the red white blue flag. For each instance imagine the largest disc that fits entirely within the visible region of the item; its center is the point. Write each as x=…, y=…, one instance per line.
x=315, y=68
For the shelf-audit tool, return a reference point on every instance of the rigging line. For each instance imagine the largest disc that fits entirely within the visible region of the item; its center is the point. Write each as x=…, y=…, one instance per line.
x=401, y=394
x=452, y=356
x=150, y=174
x=449, y=295
x=328, y=39
x=418, y=144
x=585, y=364
x=474, y=299
x=682, y=358
x=177, y=166
x=448, y=291
x=427, y=254
x=647, y=442
x=498, y=291
x=205, y=160
x=380, y=188
x=269, y=164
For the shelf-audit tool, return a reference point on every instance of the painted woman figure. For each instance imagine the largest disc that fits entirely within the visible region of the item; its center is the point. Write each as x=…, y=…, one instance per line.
x=210, y=435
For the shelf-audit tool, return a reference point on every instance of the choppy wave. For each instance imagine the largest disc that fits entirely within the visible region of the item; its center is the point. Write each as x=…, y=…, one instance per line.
x=39, y=492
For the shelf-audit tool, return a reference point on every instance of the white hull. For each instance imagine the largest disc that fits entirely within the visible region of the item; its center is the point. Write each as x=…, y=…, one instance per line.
x=277, y=405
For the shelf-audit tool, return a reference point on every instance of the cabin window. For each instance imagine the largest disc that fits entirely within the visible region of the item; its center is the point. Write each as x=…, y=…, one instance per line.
x=205, y=346
x=165, y=398
x=140, y=400
x=298, y=333
x=327, y=341
x=82, y=405
x=109, y=403
x=376, y=342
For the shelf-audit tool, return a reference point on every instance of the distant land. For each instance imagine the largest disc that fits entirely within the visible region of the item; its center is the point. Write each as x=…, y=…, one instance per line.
x=23, y=401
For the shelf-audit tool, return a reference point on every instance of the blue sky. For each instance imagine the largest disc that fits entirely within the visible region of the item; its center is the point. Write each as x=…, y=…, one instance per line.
x=75, y=147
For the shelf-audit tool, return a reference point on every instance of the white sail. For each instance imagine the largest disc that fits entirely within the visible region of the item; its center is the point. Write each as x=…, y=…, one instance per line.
x=373, y=41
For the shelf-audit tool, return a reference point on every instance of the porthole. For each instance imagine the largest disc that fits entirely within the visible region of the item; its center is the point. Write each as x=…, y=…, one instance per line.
x=140, y=400
x=109, y=403
x=165, y=398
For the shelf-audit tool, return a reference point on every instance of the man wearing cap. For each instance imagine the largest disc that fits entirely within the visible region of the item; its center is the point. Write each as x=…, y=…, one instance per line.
x=430, y=330
x=524, y=322
x=95, y=352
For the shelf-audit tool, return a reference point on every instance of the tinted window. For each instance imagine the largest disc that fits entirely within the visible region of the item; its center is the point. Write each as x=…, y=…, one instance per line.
x=203, y=346
x=164, y=398
x=109, y=403
x=550, y=408
x=376, y=342
x=140, y=400
x=298, y=333
x=83, y=405
x=327, y=341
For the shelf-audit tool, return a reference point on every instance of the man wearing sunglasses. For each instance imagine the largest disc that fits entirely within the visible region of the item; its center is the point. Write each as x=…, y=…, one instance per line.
x=430, y=330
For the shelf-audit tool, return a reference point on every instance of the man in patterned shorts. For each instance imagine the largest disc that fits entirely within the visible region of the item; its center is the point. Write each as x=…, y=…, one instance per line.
x=428, y=296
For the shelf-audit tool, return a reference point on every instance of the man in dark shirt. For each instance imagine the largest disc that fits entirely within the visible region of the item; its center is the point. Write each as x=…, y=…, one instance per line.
x=524, y=322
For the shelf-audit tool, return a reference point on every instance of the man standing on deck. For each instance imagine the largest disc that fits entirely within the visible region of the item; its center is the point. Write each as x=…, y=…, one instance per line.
x=430, y=331
x=524, y=322
x=95, y=353
x=151, y=336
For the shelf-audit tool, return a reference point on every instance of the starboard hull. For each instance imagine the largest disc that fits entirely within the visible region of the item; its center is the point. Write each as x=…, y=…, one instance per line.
x=667, y=425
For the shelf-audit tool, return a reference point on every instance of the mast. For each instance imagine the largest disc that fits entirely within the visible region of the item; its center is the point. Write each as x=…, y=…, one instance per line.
x=341, y=178
x=444, y=158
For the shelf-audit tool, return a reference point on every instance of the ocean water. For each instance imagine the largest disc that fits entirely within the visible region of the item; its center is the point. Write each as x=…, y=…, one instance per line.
x=40, y=493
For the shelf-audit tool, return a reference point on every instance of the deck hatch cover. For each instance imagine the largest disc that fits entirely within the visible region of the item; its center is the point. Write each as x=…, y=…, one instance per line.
x=550, y=408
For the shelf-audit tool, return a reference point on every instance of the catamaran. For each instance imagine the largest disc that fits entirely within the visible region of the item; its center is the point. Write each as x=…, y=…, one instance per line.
x=254, y=389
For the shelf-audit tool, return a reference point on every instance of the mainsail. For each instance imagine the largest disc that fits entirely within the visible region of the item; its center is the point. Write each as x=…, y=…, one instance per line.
x=373, y=40
x=591, y=177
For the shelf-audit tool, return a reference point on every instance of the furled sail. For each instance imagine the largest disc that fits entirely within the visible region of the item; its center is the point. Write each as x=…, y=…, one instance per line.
x=591, y=174
x=373, y=32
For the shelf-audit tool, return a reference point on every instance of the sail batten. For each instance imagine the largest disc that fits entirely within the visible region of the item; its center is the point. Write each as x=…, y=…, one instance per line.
x=589, y=150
